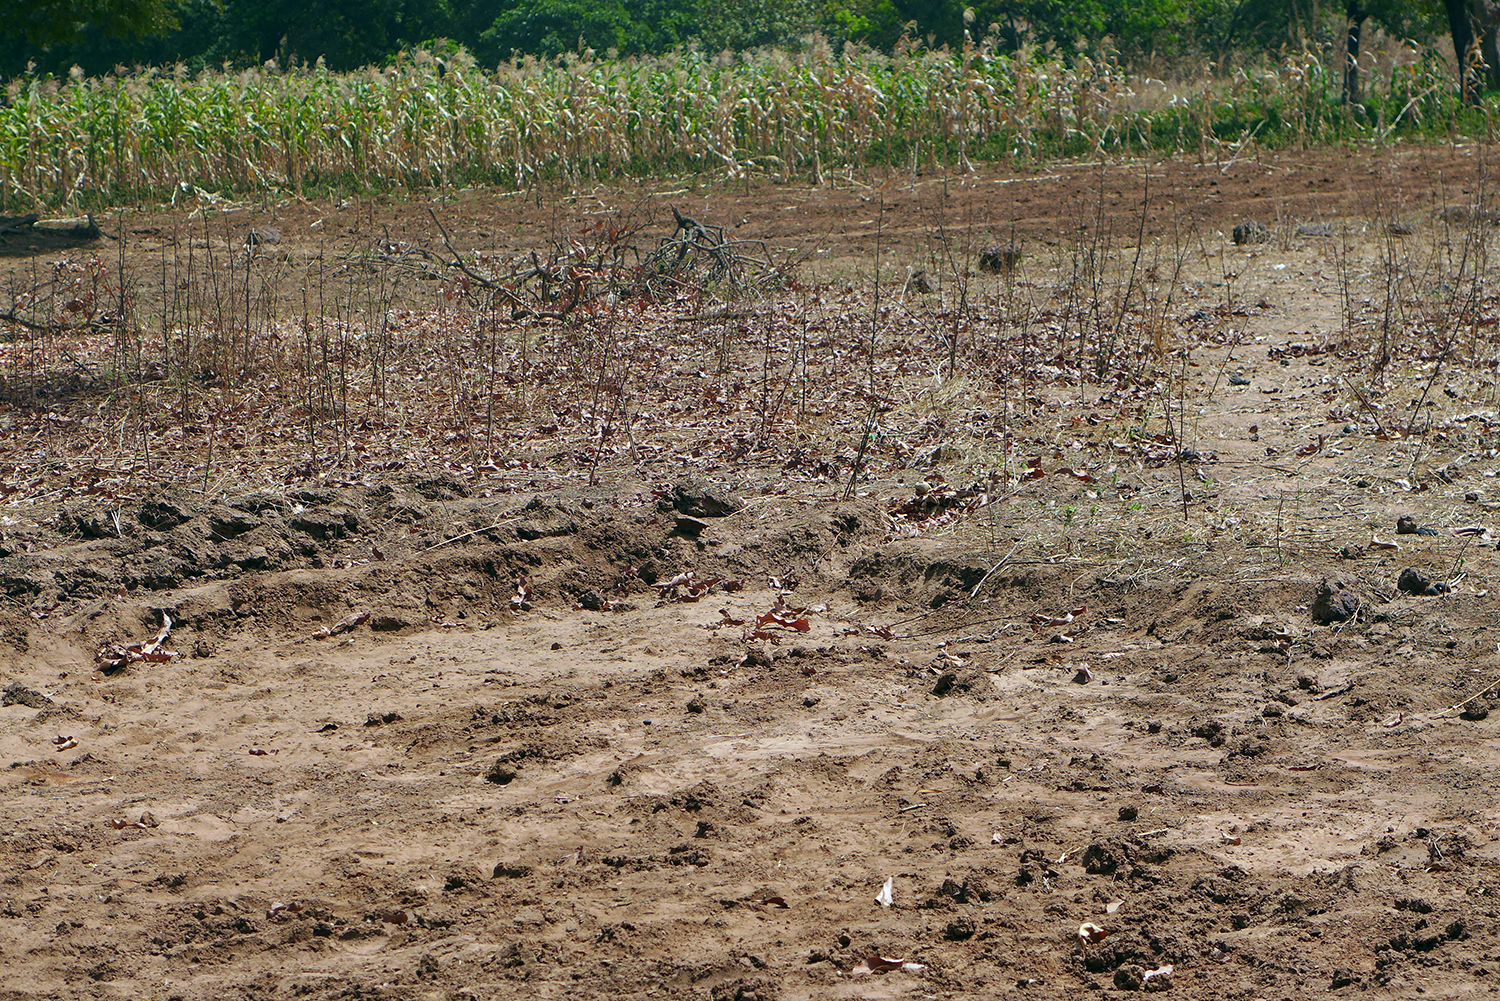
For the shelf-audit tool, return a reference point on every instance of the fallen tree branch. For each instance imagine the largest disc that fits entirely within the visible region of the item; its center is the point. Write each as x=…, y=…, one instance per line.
x=48, y=328
x=17, y=223
x=458, y=261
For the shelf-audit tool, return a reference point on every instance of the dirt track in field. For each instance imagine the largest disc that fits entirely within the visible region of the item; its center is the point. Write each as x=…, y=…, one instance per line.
x=838, y=220
x=1064, y=698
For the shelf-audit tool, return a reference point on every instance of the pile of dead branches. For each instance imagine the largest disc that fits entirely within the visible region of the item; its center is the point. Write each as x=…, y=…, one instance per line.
x=605, y=265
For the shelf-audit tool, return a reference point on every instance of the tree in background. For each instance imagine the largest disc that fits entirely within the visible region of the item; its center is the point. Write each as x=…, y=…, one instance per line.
x=549, y=27
x=1355, y=15
x=1136, y=27
x=628, y=27
x=744, y=24
x=47, y=22
x=1421, y=20
x=100, y=34
x=345, y=34
x=1474, y=25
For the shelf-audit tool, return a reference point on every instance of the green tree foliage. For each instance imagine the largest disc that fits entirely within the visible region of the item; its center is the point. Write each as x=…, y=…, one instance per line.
x=744, y=24
x=101, y=34
x=549, y=27
x=345, y=34
x=47, y=22
x=1229, y=25
x=1136, y=26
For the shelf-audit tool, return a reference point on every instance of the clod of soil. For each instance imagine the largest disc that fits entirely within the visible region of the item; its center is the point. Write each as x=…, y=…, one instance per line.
x=1250, y=231
x=697, y=499
x=962, y=682
x=162, y=512
x=1334, y=603
x=17, y=694
x=1407, y=525
x=1160, y=982
x=748, y=989
x=1414, y=581
x=1130, y=977
x=999, y=260
x=690, y=527
x=757, y=656
x=959, y=930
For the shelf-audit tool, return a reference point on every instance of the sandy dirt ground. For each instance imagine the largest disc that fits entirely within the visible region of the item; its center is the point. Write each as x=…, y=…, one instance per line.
x=1149, y=712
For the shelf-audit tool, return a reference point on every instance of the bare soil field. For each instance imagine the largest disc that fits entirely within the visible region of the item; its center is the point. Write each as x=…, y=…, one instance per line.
x=367, y=632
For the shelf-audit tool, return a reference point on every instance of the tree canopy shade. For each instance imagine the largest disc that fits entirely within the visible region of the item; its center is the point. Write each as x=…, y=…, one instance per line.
x=344, y=33
x=47, y=22
x=99, y=34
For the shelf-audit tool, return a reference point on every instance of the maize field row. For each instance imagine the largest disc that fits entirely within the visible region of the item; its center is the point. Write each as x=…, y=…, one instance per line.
x=424, y=124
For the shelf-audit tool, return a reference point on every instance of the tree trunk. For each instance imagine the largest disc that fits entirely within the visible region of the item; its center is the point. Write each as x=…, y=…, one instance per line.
x=1355, y=16
x=1487, y=20
x=1476, y=41
x=1460, y=23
